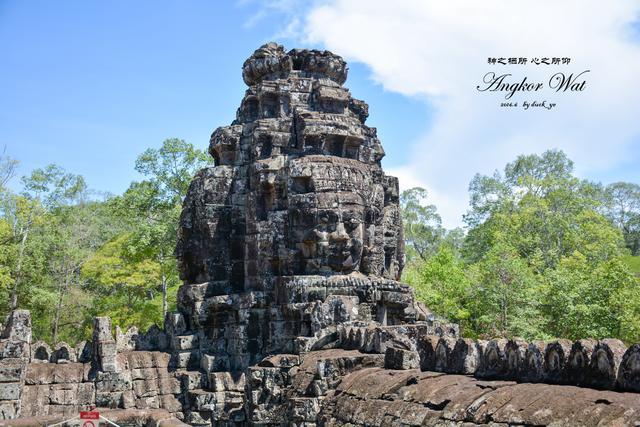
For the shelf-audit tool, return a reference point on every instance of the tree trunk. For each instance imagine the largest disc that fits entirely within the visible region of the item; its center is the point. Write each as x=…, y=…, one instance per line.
x=164, y=295
x=62, y=289
x=14, y=291
x=164, y=285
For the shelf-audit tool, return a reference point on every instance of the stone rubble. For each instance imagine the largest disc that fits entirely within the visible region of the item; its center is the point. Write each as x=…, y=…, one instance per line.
x=291, y=313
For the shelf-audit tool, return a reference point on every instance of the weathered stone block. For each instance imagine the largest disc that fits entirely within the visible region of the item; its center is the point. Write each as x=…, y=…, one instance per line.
x=170, y=403
x=207, y=401
x=168, y=385
x=10, y=391
x=151, y=402
x=14, y=349
x=109, y=382
x=161, y=360
x=192, y=380
x=144, y=373
x=39, y=373
x=35, y=398
x=195, y=418
x=109, y=364
x=128, y=399
x=102, y=329
x=175, y=324
x=63, y=394
x=185, y=360
x=9, y=409
x=145, y=388
x=107, y=348
x=305, y=409
x=11, y=370
x=184, y=342
x=108, y=399
x=18, y=326
x=86, y=394
x=397, y=358
x=211, y=363
x=69, y=373
x=227, y=381
x=66, y=411
x=140, y=359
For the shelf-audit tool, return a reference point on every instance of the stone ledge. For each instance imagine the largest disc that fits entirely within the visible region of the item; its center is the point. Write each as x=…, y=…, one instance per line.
x=376, y=397
x=150, y=418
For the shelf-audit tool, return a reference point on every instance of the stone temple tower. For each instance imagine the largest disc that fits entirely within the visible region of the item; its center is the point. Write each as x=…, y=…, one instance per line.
x=296, y=228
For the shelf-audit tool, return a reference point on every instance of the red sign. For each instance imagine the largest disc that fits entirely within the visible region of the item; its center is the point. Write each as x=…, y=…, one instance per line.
x=89, y=415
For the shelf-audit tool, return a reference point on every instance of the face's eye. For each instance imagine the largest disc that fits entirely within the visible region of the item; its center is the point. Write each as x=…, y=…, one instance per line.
x=351, y=224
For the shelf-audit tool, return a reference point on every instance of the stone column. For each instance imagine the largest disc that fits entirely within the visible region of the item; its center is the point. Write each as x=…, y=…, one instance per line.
x=104, y=346
x=15, y=352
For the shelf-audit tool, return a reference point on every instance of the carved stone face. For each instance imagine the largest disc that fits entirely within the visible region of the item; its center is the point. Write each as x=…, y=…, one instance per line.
x=338, y=239
x=327, y=222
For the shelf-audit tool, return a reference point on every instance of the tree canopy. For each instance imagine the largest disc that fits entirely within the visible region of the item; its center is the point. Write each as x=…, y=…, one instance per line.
x=69, y=255
x=543, y=256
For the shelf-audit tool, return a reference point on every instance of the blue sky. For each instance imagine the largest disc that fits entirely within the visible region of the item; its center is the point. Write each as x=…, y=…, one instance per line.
x=90, y=84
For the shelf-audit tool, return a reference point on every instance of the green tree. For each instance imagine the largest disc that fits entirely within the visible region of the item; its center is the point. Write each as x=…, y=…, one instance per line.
x=441, y=283
x=7, y=168
x=538, y=230
x=7, y=247
x=124, y=285
x=541, y=210
x=539, y=258
x=503, y=295
x=153, y=206
x=581, y=300
x=38, y=246
x=44, y=190
x=622, y=206
x=171, y=168
x=6, y=252
x=76, y=233
x=423, y=230
x=68, y=256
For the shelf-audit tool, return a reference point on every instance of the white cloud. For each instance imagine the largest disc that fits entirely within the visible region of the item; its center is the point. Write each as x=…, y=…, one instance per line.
x=266, y=9
x=438, y=50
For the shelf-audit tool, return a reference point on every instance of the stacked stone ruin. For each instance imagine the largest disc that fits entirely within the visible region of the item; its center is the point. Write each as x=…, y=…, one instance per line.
x=291, y=313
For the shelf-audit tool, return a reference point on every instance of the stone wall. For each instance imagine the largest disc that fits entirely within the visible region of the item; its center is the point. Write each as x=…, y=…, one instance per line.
x=284, y=387
x=15, y=353
x=602, y=364
x=36, y=381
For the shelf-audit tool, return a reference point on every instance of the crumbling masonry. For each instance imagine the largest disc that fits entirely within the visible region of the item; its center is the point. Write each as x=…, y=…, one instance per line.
x=291, y=312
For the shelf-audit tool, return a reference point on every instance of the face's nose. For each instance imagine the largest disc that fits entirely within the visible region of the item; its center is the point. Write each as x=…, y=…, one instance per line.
x=340, y=235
